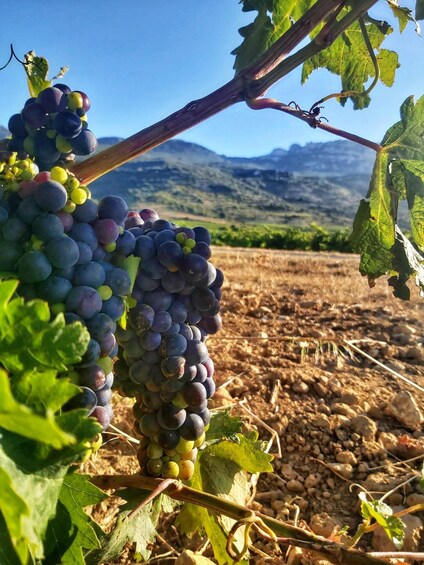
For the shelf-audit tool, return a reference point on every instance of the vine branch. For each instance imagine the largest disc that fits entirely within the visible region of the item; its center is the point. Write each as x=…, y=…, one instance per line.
x=289, y=535
x=310, y=119
x=252, y=82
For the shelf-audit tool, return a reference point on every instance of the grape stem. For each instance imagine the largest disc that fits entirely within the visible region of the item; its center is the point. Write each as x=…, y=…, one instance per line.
x=248, y=85
x=287, y=534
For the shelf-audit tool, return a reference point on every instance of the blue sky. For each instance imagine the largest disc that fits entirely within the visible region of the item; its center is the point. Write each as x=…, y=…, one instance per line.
x=140, y=60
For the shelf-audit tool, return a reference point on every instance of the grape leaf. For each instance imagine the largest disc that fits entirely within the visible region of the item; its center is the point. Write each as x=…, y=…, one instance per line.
x=348, y=57
x=27, y=503
x=76, y=493
x=43, y=392
x=403, y=15
x=139, y=529
x=7, y=551
x=398, y=174
x=29, y=340
x=221, y=470
x=37, y=69
x=273, y=20
x=223, y=425
x=383, y=515
x=374, y=225
x=193, y=518
x=407, y=263
x=246, y=451
x=19, y=419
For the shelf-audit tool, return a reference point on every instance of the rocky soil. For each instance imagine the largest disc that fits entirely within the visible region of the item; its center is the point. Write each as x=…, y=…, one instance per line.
x=302, y=337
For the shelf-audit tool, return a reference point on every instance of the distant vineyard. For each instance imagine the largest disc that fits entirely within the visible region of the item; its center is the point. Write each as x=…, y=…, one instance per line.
x=316, y=238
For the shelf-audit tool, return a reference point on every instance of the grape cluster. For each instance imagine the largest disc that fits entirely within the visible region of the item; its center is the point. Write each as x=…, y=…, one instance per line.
x=58, y=242
x=165, y=362
x=53, y=126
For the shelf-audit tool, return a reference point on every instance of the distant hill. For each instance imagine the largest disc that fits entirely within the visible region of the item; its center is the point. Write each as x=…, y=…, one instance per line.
x=321, y=182
x=318, y=182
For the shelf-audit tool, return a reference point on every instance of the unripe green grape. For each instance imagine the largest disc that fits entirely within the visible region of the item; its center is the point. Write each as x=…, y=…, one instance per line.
x=184, y=446
x=170, y=470
x=154, y=467
x=178, y=401
x=198, y=442
x=105, y=292
x=154, y=451
x=78, y=196
x=59, y=174
x=176, y=458
x=62, y=144
x=69, y=207
x=186, y=468
x=72, y=183
x=191, y=455
x=75, y=101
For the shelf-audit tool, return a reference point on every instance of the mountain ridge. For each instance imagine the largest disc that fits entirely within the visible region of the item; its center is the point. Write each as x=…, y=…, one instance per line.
x=319, y=182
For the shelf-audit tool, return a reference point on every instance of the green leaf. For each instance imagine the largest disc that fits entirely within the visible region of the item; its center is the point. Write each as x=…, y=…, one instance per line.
x=374, y=226
x=7, y=551
x=223, y=425
x=29, y=340
x=348, y=57
x=19, y=419
x=37, y=69
x=43, y=392
x=139, y=529
x=403, y=15
x=246, y=451
x=407, y=262
x=273, y=20
x=398, y=174
x=383, y=515
x=221, y=470
x=78, y=492
x=27, y=502
x=193, y=517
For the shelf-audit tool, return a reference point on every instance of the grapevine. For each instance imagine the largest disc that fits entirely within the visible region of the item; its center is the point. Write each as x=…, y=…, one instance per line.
x=98, y=299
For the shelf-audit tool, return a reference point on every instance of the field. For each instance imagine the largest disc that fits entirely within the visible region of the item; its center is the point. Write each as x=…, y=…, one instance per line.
x=284, y=366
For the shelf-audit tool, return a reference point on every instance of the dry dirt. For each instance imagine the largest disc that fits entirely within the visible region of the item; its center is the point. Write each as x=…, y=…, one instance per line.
x=282, y=354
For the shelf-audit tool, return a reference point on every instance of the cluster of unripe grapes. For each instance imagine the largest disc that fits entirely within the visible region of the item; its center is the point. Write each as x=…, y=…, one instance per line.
x=71, y=252
x=53, y=126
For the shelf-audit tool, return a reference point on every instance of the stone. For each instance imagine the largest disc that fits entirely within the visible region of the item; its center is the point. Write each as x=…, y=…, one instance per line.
x=312, y=480
x=364, y=426
x=415, y=353
x=322, y=422
x=346, y=457
x=404, y=409
x=345, y=470
x=350, y=398
x=287, y=472
x=414, y=498
x=389, y=441
x=343, y=409
x=295, y=486
x=300, y=387
x=323, y=524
